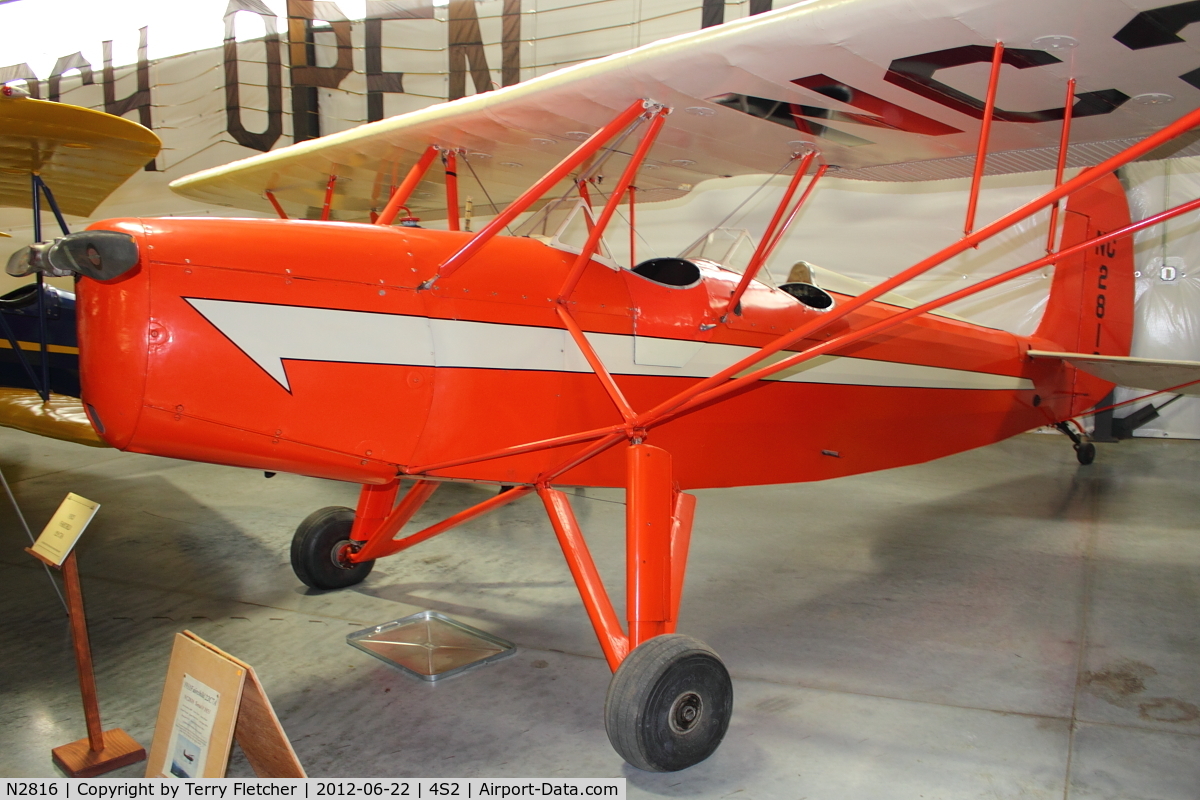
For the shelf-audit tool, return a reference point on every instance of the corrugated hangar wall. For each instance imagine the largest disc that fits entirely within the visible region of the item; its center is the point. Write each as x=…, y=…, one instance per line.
x=411, y=53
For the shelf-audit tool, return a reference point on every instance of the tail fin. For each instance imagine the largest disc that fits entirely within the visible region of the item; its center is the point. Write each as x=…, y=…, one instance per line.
x=1090, y=309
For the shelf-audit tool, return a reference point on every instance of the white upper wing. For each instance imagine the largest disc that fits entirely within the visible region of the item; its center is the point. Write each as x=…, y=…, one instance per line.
x=886, y=89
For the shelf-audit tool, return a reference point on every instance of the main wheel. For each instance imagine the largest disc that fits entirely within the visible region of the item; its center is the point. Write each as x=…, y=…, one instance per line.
x=320, y=549
x=668, y=704
x=1085, y=452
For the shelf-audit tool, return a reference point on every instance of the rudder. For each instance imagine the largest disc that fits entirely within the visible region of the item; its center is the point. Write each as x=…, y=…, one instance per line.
x=1090, y=309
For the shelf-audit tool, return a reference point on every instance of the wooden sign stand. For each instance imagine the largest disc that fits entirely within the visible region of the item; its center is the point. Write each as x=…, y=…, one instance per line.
x=211, y=698
x=100, y=751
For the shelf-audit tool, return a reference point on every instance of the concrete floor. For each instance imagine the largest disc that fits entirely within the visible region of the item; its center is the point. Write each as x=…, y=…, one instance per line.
x=999, y=624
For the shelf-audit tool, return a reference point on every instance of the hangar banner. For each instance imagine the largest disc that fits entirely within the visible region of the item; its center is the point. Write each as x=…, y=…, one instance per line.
x=316, y=71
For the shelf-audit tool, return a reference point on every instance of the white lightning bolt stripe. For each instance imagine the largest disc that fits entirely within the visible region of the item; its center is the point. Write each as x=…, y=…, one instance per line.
x=272, y=334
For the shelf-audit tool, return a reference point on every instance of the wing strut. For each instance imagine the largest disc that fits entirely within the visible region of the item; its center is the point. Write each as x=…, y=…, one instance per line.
x=448, y=161
x=401, y=195
x=610, y=386
x=275, y=203
x=632, y=228
x=327, y=206
x=39, y=189
x=984, y=132
x=772, y=236
x=821, y=170
x=1064, y=140
x=531, y=195
x=614, y=200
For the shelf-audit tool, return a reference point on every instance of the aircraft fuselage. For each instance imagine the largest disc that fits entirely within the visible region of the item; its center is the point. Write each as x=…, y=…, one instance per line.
x=308, y=347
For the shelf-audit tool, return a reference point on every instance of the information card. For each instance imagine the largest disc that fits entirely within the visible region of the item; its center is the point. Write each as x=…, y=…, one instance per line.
x=65, y=528
x=190, y=735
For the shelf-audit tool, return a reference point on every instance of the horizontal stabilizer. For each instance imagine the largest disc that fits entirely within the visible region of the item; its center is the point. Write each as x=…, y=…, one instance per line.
x=1142, y=373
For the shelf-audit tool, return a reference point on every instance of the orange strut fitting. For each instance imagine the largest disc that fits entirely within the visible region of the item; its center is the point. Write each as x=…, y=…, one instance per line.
x=681, y=539
x=389, y=546
x=405, y=190
x=381, y=536
x=649, y=498
x=375, y=502
x=610, y=208
x=984, y=131
x=327, y=206
x=600, y=611
x=530, y=195
x=1063, y=141
x=278, y=208
x=451, y=191
x=1085, y=178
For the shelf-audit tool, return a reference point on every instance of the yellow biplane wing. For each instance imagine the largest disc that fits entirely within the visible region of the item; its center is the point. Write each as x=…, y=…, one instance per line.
x=60, y=418
x=888, y=90
x=83, y=155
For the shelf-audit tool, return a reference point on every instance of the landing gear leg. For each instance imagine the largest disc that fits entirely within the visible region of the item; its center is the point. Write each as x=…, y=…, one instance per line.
x=325, y=540
x=321, y=550
x=670, y=699
x=1085, y=452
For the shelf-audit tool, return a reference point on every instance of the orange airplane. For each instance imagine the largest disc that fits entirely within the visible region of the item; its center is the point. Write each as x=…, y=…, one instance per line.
x=397, y=357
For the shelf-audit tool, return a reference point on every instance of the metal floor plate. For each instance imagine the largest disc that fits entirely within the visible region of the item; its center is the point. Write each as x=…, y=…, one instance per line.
x=430, y=645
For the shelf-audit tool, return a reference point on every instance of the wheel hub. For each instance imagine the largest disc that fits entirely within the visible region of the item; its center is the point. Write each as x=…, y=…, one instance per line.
x=686, y=712
x=340, y=555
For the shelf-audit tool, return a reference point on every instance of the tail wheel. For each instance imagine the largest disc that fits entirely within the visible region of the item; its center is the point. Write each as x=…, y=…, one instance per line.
x=321, y=547
x=668, y=704
x=1085, y=452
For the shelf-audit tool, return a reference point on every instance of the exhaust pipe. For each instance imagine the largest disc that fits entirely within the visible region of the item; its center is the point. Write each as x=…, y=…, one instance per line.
x=100, y=255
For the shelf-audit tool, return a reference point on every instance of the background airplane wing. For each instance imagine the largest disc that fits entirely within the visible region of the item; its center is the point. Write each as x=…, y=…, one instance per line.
x=1143, y=373
x=61, y=418
x=887, y=89
x=83, y=155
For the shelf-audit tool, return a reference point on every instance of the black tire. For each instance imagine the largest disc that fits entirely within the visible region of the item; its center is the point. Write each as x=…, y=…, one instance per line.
x=320, y=541
x=668, y=704
x=1085, y=452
